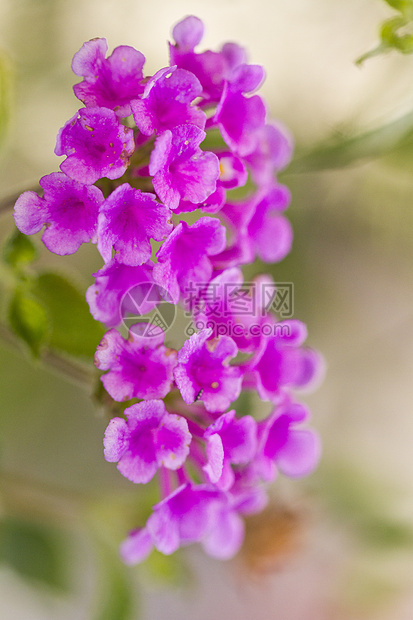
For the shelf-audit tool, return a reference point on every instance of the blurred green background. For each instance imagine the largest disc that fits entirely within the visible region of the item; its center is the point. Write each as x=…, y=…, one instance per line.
x=338, y=545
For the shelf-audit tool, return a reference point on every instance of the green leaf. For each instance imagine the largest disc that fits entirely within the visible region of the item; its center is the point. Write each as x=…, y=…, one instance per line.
x=118, y=603
x=19, y=250
x=118, y=600
x=385, y=533
x=349, y=150
x=169, y=570
x=395, y=33
x=33, y=551
x=73, y=330
x=29, y=321
x=213, y=140
x=392, y=36
x=404, y=6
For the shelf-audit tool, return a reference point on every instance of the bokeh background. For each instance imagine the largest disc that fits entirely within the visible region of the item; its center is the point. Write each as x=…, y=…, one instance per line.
x=337, y=545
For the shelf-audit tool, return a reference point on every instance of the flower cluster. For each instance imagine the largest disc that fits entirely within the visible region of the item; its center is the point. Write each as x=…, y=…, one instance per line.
x=142, y=151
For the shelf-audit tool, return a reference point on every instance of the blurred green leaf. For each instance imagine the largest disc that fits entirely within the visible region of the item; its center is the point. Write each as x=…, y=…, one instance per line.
x=367, y=592
x=387, y=534
x=34, y=551
x=19, y=250
x=213, y=140
x=346, y=150
x=115, y=596
x=28, y=320
x=392, y=35
x=118, y=600
x=395, y=33
x=167, y=569
x=364, y=504
x=403, y=6
x=73, y=330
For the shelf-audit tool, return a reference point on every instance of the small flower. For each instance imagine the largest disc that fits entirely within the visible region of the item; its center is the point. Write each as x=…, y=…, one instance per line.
x=109, y=82
x=166, y=102
x=272, y=153
x=294, y=451
x=136, y=547
x=185, y=257
x=280, y=362
x=258, y=226
x=180, y=170
x=233, y=172
x=150, y=438
x=230, y=307
x=209, y=67
x=106, y=297
x=68, y=209
x=229, y=441
x=240, y=118
x=203, y=371
x=96, y=145
x=128, y=220
x=183, y=517
x=140, y=367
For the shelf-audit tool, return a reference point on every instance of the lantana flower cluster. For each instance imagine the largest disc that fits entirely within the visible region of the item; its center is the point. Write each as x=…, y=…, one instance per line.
x=136, y=157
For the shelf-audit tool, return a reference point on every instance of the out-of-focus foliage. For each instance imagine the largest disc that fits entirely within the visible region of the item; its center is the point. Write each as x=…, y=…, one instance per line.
x=396, y=32
x=45, y=309
x=36, y=552
x=19, y=250
x=343, y=149
x=73, y=330
x=28, y=320
x=116, y=598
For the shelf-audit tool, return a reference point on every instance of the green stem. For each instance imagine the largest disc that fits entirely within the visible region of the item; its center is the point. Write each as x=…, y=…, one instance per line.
x=72, y=371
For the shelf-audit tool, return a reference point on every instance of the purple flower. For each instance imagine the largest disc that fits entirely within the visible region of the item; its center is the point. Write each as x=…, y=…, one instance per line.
x=209, y=67
x=240, y=118
x=184, y=258
x=246, y=78
x=281, y=362
x=109, y=82
x=272, y=153
x=106, y=297
x=230, y=307
x=136, y=547
x=229, y=440
x=203, y=371
x=139, y=367
x=180, y=170
x=294, y=451
x=166, y=102
x=96, y=145
x=258, y=227
x=212, y=204
x=233, y=172
x=128, y=220
x=150, y=438
x=224, y=539
x=190, y=514
x=68, y=210
x=183, y=517
x=188, y=33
